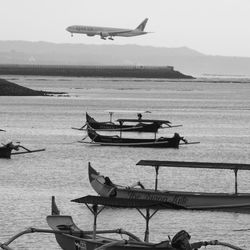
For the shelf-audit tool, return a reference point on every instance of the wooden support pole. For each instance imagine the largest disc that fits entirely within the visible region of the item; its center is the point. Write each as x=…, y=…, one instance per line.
x=110, y=116
x=95, y=212
x=236, y=182
x=121, y=123
x=156, y=177
x=147, y=217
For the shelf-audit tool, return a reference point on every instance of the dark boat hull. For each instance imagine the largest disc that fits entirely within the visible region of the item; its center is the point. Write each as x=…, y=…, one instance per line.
x=110, y=126
x=162, y=142
x=84, y=239
x=5, y=152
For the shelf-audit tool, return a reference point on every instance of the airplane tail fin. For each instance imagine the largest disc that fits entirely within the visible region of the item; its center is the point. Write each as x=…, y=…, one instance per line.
x=142, y=25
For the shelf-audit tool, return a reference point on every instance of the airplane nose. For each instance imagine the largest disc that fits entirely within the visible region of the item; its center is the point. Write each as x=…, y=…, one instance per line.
x=68, y=29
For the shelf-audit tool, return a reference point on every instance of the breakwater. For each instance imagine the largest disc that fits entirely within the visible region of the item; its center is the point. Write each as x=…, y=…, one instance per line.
x=93, y=71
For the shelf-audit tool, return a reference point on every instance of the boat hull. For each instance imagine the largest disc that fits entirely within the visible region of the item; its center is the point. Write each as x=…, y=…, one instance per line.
x=188, y=200
x=84, y=240
x=5, y=152
x=150, y=128
x=110, y=126
x=162, y=142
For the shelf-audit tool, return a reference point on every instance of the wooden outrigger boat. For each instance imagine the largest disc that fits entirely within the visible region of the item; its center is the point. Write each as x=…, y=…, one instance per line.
x=70, y=237
x=135, y=125
x=6, y=150
x=235, y=202
x=162, y=142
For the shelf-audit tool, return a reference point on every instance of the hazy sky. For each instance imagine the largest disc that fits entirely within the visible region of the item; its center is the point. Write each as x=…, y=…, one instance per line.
x=214, y=27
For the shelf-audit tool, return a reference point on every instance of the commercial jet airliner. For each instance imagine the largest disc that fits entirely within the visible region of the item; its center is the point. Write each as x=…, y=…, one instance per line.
x=106, y=32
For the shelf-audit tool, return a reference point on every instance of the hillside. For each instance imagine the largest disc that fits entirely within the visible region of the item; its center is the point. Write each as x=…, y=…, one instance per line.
x=183, y=59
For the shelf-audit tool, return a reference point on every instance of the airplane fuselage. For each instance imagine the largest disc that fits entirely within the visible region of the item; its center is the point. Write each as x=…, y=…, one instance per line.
x=95, y=30
x=107, y=32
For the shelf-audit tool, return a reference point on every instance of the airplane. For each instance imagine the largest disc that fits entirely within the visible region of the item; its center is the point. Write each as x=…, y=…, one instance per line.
x=106, y=32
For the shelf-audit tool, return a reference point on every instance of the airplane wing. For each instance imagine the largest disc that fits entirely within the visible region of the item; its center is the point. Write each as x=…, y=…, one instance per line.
x=113, y=33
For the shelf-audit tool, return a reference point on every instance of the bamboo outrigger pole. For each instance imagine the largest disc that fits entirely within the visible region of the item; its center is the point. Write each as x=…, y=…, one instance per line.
x=28, y=152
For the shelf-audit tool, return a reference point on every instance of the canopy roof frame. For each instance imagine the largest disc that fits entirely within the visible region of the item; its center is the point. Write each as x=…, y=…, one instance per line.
x=111, y=112
x=125, y=203
x=143, y=120
x=203, y=165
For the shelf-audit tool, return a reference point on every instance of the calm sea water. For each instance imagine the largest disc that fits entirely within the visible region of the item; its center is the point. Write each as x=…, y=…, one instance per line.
x=214, y=112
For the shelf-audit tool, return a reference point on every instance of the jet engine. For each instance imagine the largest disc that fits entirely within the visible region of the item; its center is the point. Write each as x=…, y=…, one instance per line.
x=90, y=34
x=104, y=35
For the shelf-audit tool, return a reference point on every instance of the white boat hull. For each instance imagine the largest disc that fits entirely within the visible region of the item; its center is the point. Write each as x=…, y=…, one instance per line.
x=189, y=200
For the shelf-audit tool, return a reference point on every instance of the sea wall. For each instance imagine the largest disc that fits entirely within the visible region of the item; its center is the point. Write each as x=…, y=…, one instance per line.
x=93, y=71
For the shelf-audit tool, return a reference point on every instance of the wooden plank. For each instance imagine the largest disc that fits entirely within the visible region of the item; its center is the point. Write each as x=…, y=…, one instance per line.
x=183, y=164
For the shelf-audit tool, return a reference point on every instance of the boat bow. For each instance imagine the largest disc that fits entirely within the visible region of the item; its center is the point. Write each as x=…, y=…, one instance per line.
x=102, y=185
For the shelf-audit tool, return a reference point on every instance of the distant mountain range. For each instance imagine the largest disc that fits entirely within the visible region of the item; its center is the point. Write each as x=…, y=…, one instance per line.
x=183, y=59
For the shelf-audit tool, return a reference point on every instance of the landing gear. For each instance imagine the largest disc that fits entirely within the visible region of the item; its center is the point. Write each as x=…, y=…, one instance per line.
x=71, y=34
x=103, y=38
x=111, y=38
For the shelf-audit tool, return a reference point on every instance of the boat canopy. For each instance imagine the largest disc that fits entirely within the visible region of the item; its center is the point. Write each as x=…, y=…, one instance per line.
x=111, y=112
x=129, y=111
x=143, y=120
x=138, y=204
x=184, y=164
x=124, y=202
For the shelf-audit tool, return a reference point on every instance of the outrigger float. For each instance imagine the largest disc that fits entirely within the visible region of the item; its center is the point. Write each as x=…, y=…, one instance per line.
x=162, y=142
x=6, y=150
x=70, y=237
x=135, y=125
x=231, y=202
